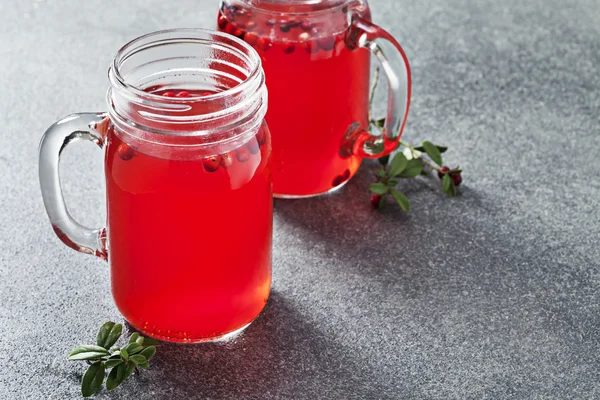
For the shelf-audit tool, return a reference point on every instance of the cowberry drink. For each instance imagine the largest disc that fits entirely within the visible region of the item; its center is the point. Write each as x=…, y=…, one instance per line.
x=313, y=78
x=174, y=274
x=318, y=84
x=188, y=182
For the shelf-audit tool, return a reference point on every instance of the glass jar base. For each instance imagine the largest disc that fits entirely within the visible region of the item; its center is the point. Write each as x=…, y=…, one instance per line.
x=307, y=196
x=190, y=340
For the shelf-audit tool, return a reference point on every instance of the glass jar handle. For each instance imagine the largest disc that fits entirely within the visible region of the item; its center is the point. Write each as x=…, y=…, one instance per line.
x=363, y=34
x=57, y=137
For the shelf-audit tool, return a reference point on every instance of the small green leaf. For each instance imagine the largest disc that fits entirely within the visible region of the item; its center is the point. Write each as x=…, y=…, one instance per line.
x=442, y=149
x=112, y=382
x=144, y=365
x=433, y=152
x=384, y=160
x=378, y=188
x=134, y=336
x=103, y=333
x=149, y=352
x=88, y=352
x=121, y=370
x=398, y=164
x=124, y=354
x=138, y=359
x=140, y=340
x=380, y=123
x=401, y=199
x=113, y=336
x=382, y=202
x=392, y=183
x=92, y=379
x=133, y=348
x=381, y=173
x=446, y=181
x=129, y=370
x=151, y=342
x=414, y=168
x=110, y=363
x=448, y=186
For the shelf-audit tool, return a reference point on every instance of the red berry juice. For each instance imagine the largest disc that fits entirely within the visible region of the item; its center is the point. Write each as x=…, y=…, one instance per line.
x=317, y=87
x=190, y=239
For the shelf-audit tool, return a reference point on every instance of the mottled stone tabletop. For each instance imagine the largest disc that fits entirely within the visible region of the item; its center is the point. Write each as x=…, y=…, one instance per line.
x=492, y=295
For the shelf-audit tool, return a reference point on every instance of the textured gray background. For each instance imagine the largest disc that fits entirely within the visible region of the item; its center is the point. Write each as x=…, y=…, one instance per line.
x=492, y=295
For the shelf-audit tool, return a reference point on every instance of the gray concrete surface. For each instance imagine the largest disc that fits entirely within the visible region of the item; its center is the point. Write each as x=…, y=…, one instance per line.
x=492, y=295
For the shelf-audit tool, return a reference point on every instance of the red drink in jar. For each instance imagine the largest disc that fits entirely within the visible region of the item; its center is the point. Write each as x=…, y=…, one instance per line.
x=318, y=80
x=188, y=185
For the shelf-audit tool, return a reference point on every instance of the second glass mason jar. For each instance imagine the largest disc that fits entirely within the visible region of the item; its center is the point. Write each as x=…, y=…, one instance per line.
x=188, y=184
x=316, y=56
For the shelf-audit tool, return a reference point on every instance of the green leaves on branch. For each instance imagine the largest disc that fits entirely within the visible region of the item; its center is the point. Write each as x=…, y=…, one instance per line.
x=413, y=168
x=108, y=334
x=433, y=152
x=408, y=163
x=379, y=188
x=399, y=163
x=104, y=356
x=448, y=186
x=400, y=167
x=401, y=199
x=89, y=352
x=92, y=379
x=442, y=149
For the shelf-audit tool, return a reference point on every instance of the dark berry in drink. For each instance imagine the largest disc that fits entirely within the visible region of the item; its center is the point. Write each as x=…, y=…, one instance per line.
x=227, y=160
x=311, y=46
x=264, y=43
x=253, y=146
x=327, y=43
x=306, y=25
x=230, y=28
x=289, y=47
x=251, y=38
x=239, y=33
x=222, y=21
x=242, y=154
x=125, y=152
x=211, y=164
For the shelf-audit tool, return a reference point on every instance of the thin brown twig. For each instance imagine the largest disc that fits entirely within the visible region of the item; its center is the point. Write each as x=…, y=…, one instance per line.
x=430, y=165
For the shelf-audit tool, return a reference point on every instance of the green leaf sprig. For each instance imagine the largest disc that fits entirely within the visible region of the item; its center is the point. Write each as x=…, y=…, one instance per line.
x=104, y=355
x=409, y=162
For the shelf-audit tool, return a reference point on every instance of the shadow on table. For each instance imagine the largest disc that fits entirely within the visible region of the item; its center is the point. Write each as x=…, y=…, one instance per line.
x=382, y=245
x=279, y=356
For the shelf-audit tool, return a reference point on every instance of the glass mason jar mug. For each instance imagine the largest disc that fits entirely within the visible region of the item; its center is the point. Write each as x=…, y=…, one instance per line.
x=316, y=56
x=188, y=181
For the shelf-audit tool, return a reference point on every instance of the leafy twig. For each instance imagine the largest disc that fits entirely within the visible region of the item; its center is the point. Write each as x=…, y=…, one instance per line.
x=408, y=163
x=105, y=355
